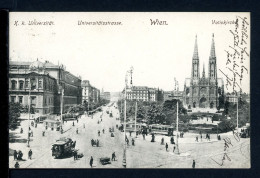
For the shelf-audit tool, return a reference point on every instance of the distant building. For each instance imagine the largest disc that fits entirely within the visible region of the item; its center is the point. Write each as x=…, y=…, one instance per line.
x=232, y=97
x=105, y=95
x=141, y=93
x=46, y=80
x=90, y=94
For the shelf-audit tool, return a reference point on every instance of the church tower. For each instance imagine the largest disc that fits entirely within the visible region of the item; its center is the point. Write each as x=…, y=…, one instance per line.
x=195, y=73
x=212, y=61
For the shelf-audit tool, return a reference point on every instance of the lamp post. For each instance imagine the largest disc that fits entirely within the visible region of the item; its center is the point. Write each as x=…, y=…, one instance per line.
x=177, y=129
x=29, y=110
x=61, y=104
x=124, y=154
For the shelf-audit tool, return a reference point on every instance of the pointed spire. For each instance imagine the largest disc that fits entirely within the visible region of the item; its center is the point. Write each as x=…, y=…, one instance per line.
x=203, y=72
x=212, y=51
x=195, y=53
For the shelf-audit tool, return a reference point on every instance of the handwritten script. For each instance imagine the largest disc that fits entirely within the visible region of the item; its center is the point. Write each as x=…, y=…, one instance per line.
x=237, y=54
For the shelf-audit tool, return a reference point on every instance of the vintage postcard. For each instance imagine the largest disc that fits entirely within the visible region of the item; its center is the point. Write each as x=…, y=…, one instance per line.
x=129, y=90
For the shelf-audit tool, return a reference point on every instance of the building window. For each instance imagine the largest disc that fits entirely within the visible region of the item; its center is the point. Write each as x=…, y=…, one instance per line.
x=33, y=100
x=13, y=99
x=40, y=84
x=20, y=99
x=20, y=85
x=26, y=84
x=14, y=84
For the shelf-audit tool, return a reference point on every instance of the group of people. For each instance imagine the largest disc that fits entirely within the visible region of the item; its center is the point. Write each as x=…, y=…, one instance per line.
x=18, y=155
x=127, y=141
x=95, y=142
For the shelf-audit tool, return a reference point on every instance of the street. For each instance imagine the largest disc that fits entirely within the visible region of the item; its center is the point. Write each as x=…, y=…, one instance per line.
x=145, y=154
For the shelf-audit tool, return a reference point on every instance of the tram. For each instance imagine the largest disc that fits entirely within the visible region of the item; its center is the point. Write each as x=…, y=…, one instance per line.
x=161, y=129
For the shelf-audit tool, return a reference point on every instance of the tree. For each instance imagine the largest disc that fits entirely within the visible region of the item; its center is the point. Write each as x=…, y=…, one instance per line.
x=14, y=114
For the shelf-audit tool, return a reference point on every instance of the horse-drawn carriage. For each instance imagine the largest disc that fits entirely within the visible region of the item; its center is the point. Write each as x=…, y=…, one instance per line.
x=105, y=160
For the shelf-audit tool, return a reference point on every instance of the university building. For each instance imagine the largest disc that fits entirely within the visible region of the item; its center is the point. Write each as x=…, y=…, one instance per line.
x=44, y=83
x=203, y=91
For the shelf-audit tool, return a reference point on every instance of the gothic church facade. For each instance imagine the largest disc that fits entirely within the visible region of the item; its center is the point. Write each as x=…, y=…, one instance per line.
x=203, y=91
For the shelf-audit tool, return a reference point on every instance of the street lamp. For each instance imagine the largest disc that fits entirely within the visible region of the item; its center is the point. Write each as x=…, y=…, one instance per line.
x=124, y=154
x=61, y=91
x=29, y=110
x=177, y=129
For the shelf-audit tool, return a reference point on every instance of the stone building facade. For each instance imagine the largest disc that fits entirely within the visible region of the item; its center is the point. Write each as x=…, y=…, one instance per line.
x=90, y=94
x=203, y=91
x=49, y=79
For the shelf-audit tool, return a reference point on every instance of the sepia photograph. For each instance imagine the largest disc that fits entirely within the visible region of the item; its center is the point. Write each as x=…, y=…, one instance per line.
x=116, y=90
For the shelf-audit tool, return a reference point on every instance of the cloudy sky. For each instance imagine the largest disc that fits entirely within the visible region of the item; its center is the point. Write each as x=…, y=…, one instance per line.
x=103, y=53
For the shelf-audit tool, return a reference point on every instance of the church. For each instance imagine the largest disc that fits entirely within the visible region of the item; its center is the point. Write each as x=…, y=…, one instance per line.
x=203, y=91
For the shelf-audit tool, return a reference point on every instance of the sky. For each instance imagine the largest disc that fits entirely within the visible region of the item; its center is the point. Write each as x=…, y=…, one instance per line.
x=103, y=54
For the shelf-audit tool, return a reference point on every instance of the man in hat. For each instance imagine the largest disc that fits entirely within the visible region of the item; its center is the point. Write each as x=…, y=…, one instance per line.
x=15, y=155
x=17, y=165
x=166, y=146
x=113, y=156
x=91, y=161
x=30, y=154
x=193, y=164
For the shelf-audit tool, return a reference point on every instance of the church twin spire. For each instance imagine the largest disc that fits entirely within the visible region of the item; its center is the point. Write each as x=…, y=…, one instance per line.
x=195, y=58
x=196, y=53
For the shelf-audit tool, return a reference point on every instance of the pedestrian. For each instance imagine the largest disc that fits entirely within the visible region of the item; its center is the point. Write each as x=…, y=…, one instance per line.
x=133, y=142
x=174, y=148
x=201, y=137
x=17, y=165
x=91, y=161
x=153, y=137
x=21, y=131
x=43, y=133
x=103, y=131
x=30, y=154
x=20, y=155
x=196, y=138
x=46, y=127
x=113, y=156
x=35, y=125
x=75, y=155
x=172, y=140
x=193, y=164
x=15, y=155
x=209, y=137
x=77, y=131
x=127, y=141
x=97, y=142
x=162, y=141
x=31, y=133
x=73, y=123
x=98, y=132
x=166, y=146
